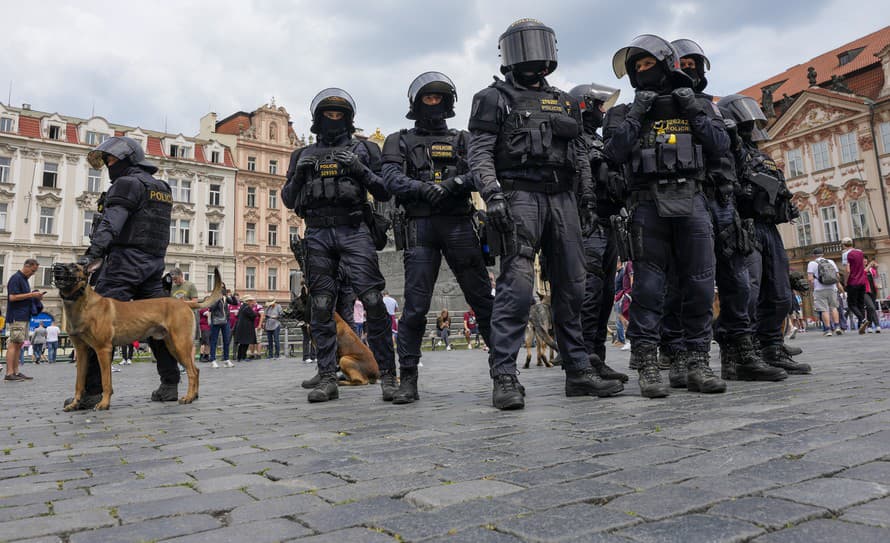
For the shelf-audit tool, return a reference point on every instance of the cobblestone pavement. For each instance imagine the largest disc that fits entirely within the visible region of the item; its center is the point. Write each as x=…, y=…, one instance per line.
x=805, y=460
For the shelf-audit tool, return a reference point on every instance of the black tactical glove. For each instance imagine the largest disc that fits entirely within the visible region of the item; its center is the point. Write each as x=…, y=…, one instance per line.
x=306, y=164
x=350, y=162
x=685, y=98
x=724, y=194
x=84, y=261
x=643, y=101
x=499, y=213
x=588, y=217
x=432, y=193
x=453, y=184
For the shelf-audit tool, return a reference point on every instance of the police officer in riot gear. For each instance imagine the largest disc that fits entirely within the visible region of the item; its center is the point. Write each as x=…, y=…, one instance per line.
x=667, y=139
x=131, y=235
x=732, y=246
x=426, y=169
x=527, y=154
x=328, y=184
x=600, y=249
x=763, y=197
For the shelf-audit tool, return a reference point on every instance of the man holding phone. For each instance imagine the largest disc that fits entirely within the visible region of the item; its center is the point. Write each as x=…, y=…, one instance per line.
x=18, y=315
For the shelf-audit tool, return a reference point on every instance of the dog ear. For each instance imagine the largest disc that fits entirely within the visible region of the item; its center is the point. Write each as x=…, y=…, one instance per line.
x=94, y=266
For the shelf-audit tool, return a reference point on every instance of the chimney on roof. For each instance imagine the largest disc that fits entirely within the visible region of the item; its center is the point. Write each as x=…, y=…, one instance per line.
x=26, y=107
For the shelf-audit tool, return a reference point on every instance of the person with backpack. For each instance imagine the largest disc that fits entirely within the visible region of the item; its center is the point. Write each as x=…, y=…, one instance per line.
x=824, y=282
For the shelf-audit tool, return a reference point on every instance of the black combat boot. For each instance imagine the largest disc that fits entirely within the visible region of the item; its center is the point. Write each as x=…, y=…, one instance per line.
x=312, y=382
x=651, y=385
x=792, y=351
x=775, y=355
x=739, y=361
x=388, y=384
x=166, y=393
x=407, y=392
x=507, y=393
x=588, y=383
x=665, y=358
x=699, y=375
x=326, y=389
x=604, y=371
x=87, y=401
x=677, y=369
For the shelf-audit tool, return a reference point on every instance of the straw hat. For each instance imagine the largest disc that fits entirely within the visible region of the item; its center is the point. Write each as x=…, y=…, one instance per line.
x=248, y=298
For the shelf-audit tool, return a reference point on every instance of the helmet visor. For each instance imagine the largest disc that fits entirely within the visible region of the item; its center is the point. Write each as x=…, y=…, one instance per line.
x=431, y=82
x=332, y=98
x=532, y=44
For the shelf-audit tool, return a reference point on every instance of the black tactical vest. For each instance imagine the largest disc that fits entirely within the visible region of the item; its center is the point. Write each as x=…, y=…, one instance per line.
x=148, y=227
x=433, y=158
x=535, y=136
x=330, y=186
x=763, y=194
x=609, y=189
x=667, y=149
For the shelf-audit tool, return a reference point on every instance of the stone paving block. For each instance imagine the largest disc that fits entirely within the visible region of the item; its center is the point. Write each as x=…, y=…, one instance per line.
x=384, y=486
x=769, y=513
x=784, y=470
x=827, y=530
x=152, y=530
x=876, y=472
x=692, y=528
x=450, y=494
x=730, y=486
x=352, y=535
x=854, y=451
x=555, y=474
x=277, y=507
x=199, y=503
x=22, y=511
x=834, y=494
x=354, y=514
x=643, y=477
x=876, y=513
x=419, y=525
x=648, y=456
x=566, y=523
x=475, y=535
x=231, y=482
x=116, y=500
x=266, y=531
x=40, y=526
x=584, y=490
x=665, y=501
x=42, y=496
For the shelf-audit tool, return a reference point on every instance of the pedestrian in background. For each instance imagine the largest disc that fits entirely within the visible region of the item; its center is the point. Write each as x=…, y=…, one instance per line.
x=38, y=342
x=18, y=315
x=272, y=326
x=245, y=326
x=52, y=341
x=824, y=282
x=443, y=325
x=358, y=317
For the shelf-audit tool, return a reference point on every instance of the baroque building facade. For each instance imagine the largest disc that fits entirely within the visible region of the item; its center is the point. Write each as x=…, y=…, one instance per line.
x=49, y=193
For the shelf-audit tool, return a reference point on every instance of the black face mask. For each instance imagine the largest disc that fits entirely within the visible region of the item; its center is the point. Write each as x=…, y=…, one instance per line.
x=433, y=113
x=746, y=131
x=118, y=169
x=693, y=75
x=330, y=129
x=593, y=118
x=653, y=79
x=528, y=79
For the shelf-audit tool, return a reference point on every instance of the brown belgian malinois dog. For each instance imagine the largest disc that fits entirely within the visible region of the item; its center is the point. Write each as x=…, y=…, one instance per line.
x=100, y=323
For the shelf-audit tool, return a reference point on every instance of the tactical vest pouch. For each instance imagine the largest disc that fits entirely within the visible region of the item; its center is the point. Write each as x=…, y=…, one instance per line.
x=348, y=191
x=648, y=162
x=330, y=189
x=674, y=199
x=564, y=127
x=399, y=229
x=316, y=189
x=378, y=224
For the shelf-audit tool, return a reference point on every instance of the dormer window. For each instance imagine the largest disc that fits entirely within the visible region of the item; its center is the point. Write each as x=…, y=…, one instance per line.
x=847, y=56
x=95, y=138
x=214, y=157
x=55, y=132
x=180, y=151
x=7, y=124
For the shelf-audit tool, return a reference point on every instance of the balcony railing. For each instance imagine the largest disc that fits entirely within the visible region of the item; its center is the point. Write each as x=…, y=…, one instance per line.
x=831, y=249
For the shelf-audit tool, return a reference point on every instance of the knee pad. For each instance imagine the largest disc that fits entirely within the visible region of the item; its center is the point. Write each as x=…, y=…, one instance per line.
x=374, y=305
x=322, y=307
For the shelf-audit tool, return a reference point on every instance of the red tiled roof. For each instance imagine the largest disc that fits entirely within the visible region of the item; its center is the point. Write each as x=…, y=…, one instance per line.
x=154, y=146
x=71, y=133
x=29, y=127
x=826, y=65
x=229, y=161
x=199, y=153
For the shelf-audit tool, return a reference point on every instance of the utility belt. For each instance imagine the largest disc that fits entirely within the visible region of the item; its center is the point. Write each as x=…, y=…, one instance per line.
x=422, y=209
x=673, y=197
x=325, y=217
x=556, y=187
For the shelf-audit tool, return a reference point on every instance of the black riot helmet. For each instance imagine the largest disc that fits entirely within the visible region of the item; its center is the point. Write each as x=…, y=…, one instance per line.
x=527, y=40
x=589, y=94
x=624, y=60
x=332, y=99
x=431, y=83
x=688, y=48
x=745, y=111
x=122, y=148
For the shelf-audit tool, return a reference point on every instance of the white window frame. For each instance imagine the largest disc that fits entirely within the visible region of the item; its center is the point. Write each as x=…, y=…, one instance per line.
x=213, y=234
x=215, y=195
x=849, y=147
x=251, y=196
x=185, y=191
x=830, y=226
x=795, y=163
x=55, y=175
x=885, y=135
x=272, y=279
x=174, y=188
x=250, y=233
x=46, y=224
x=7, y=124
x=273, y=167
x=821, y=155
x=5, y=169
x=251, y=163
x=4, y=218
x=60, y=132
x=94, y=180
x=250, y=277
x=859, y=218
x=273, y=198
x=211, y=277
x=185, y=231
x=45, y=278
x=804, y=229
x=272, y=235
x=88, y=224
x=215, y=157
x=95, y=138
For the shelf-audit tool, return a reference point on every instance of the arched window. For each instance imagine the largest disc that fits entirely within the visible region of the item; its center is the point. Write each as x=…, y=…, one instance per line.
x=273, y=131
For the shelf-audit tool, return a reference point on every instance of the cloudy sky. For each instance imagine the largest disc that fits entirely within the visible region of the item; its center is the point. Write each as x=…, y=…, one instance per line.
x=153, y=62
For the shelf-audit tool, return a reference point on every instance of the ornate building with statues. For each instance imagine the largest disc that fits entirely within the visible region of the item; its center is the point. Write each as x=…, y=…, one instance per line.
x=830, y=133
x=48, y=195
x=263, y=141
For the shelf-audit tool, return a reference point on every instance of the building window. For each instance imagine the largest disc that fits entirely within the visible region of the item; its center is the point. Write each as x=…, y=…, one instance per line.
x=94, y=180
x=821, y=159
x=185, y=228
x=885, y=136
x=185, y=191
x=251, y=196
x=172, y=232
x=273, y=167
x=273, y=235
x=859, y=218
x=795, y=163
x=293, y=277
x=250, y=278
x=50, y=174
x=88, y=223
x=829, y=223
x=849, y=147
x=180, y=151
x=2, y=269
x=45, y=277
x=251, y=234
x=211, y=277
x=4, y=169
x=214, y=157
x=174, y=188
x=251, y=163
x=294, y=232
x=95, y=138
x=55, y=132
x=272, y=278
x=273, y=199
x=214, y=195
x=47, y=218
x=213, y=234
x=7, y=124
x=4, y=217
x=804, y=231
